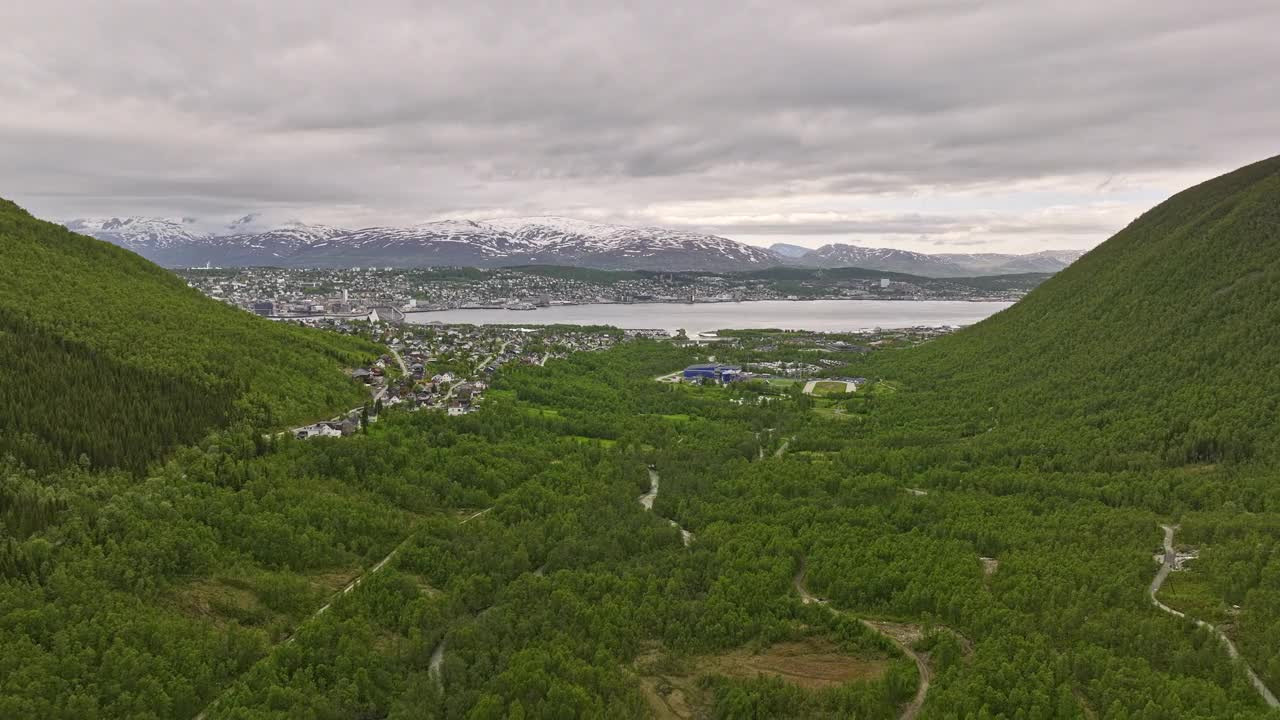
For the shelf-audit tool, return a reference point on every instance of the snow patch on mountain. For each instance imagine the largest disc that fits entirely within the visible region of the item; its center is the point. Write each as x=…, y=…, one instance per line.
x=140, y=232
x=552, y=240
x=937, y=265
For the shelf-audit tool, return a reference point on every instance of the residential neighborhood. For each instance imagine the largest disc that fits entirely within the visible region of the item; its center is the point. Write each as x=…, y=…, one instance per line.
x=283, y=292
x=448, y=368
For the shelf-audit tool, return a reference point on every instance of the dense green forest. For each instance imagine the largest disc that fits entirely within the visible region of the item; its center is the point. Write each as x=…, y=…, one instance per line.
x=197, y=589
x=1152, y=350
x=993, y=496
x=108, y=357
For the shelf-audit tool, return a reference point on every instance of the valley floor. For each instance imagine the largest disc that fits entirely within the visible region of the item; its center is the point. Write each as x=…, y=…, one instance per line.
x=593, y=544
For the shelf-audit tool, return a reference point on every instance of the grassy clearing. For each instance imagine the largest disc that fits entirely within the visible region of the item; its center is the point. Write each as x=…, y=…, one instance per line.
x=1190, y=592
x=832, y=410
x=675, y=691
x=584, y=439
x=884, y=386
x=266, y=600
x=221, y=603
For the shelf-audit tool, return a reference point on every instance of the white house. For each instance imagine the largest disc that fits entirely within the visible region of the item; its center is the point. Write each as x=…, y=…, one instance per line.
x=323, y=429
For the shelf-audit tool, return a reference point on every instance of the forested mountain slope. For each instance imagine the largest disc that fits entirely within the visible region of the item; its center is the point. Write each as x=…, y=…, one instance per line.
x=1158, y=348
x=106, y=355
x=998, y=492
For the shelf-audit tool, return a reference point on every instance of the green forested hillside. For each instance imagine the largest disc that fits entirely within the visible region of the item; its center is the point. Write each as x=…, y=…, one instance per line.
x=105, y=355
x=1156, y=349
x=1142, y=378
x=994, y=497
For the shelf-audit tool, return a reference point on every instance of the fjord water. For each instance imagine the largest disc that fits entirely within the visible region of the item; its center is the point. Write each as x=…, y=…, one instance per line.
x=821, y=315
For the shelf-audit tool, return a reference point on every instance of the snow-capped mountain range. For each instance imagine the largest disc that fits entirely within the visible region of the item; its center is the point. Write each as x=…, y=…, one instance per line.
x=139, y=233
x=494, y=243
x=937, y=265
x=181, y=242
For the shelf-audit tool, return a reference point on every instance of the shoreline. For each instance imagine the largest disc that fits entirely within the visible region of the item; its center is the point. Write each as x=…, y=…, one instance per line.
x=677, y=302
x=816, y=315
x=415, y=311
x=844, y=315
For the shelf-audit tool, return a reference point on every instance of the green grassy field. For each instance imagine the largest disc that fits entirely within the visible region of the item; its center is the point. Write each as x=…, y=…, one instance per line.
x=606, y=442
x=1191, y=593
x=829, y=387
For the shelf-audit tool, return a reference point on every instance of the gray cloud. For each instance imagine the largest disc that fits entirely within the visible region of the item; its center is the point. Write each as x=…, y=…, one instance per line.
x=931, y=121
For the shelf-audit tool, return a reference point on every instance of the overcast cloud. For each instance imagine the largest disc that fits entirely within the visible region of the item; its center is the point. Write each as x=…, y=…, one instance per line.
x=932, y=124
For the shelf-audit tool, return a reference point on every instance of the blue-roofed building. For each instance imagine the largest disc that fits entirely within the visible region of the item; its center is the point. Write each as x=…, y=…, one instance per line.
x=712, y=373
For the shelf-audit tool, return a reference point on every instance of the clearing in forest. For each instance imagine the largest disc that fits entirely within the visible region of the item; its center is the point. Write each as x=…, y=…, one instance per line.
x=828, y=387
x=674, y=693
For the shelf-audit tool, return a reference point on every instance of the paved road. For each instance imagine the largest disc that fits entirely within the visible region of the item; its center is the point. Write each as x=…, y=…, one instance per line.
x=782, y=449
x=1166, y=566
x=376, y=395
x=489, y=359
x=404, y=370
x=444, y=401
x=895, y=632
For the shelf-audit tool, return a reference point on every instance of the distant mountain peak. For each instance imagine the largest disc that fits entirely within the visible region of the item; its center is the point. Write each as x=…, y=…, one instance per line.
x=787, y=250
x=139, y=233
x=936, y=264
x=541, y=239
x=482, y=243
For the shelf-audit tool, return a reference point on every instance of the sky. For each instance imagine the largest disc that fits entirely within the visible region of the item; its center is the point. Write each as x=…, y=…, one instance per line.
x=930, y=125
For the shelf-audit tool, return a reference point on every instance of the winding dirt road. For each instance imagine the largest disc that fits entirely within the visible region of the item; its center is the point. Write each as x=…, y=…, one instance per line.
x=899, y=634
x=436, y=664
x=1166, y=566
x=646, y=501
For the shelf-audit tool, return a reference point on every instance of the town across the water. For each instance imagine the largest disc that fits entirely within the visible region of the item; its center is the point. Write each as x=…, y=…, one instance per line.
x=355, y=292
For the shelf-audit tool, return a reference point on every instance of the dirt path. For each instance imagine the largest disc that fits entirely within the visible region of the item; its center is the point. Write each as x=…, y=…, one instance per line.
x=900, y=634
x=436, y=664
x=646, y=501
x=346, y=589
x=782, y=449
x=351, y=586
x=1166, y=566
